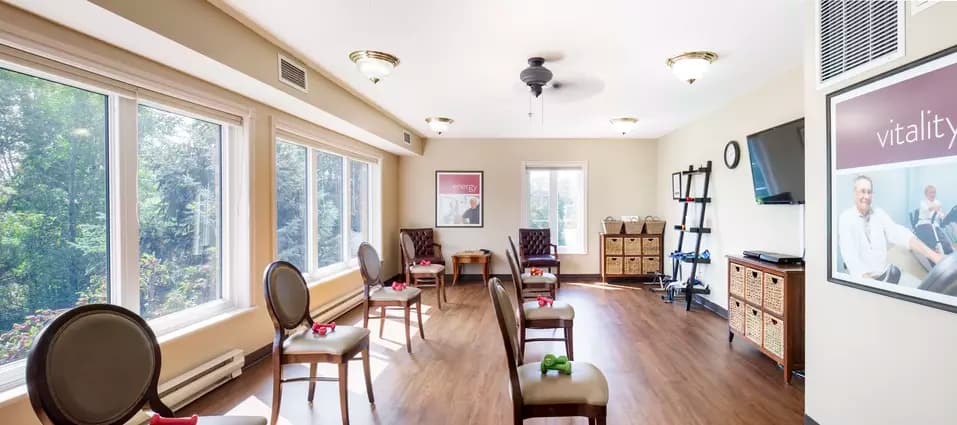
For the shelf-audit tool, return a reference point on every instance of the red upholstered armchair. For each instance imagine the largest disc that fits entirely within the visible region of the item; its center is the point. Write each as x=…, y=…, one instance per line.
x=537, y=250
x=425, y=246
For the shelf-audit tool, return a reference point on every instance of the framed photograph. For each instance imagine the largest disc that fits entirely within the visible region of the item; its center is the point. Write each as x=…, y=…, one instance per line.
x=892, y=183
x=459, y=199
x=676, y=186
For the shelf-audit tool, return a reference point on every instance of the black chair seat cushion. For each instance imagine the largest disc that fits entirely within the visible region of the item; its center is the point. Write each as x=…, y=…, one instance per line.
x=541, y=261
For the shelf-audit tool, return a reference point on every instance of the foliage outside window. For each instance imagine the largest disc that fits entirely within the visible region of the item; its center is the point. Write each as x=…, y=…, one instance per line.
x=555, y=199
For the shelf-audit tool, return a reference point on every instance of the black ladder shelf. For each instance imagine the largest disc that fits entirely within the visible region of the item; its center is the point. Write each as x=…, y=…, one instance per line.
x=689, y=289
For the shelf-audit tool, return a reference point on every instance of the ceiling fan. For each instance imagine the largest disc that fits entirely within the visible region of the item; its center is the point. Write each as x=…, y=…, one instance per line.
x=537, y=79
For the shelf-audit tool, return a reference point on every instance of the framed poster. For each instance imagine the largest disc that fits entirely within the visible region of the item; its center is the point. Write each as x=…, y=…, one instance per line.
x=676, y=186
x=892, y=183
x=459, y=199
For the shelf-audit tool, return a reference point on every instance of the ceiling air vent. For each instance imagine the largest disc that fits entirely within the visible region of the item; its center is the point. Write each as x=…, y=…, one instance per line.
x=292, y=73
x=858, y=33
x=407, y=137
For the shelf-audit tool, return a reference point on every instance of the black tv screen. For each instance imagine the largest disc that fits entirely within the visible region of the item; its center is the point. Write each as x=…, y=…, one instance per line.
x=777, y=164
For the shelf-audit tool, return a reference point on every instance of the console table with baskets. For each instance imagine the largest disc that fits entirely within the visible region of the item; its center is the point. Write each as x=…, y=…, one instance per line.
x=766, y=306
x=637, y=256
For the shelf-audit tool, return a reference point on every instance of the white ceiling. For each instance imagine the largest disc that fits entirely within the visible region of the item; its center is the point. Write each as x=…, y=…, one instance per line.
x=461, y=59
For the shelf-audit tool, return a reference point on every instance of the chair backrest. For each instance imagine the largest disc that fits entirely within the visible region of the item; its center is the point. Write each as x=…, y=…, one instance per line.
x=95, y=364
x=535, y=241
x=505, y=315
x=422, y=238
x=287, y=295
x=408, y=249
x=370, y=267
x=519, y=286
x=518, y=259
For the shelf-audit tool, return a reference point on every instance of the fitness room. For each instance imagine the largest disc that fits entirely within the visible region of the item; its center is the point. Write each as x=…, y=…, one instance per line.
x=250, y=212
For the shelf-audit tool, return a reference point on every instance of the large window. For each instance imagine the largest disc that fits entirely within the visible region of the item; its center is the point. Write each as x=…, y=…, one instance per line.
x=555, y=199
x=320, y=223
x=107, y=197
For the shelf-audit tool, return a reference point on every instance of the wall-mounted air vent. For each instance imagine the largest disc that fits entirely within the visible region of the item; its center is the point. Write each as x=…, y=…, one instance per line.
x=858, y=35
x=407, y=137
x=292, y=73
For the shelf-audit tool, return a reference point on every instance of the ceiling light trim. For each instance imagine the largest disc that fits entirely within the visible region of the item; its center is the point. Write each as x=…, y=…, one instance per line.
x=692, y=76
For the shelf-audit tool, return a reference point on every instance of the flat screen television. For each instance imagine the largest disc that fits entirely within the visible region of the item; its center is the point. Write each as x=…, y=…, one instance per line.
x=777, y=164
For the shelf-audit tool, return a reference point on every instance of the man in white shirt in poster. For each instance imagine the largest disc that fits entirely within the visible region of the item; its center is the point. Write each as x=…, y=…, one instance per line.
x=863, y=236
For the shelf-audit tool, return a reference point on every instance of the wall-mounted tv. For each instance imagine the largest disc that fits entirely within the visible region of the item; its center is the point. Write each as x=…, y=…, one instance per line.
x=777, y=163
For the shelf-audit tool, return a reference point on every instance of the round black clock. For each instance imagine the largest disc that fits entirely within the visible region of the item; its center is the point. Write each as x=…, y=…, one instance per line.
x=732, y=154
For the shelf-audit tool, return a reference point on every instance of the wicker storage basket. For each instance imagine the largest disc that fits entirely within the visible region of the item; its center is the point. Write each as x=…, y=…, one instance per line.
x=649, y=246
x=654, y=225
x=613, y=265
x=632, y=246
x=632, y=265
x=635, y=226
x=611, y=225
x=736, y=310
x=613, y=246
x=774, y=293
x=753, y=324
x=736, y=283
x=774, y=335
x=650, y=265
x=753, y=286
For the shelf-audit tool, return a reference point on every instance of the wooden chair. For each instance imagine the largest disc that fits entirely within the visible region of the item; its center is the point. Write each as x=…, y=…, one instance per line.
x=537, y=250
x=425, y=246
x=534, y=285
x=287, y=300
x=100, y=364
x=535, y=395
x=378, y=295
x=560, y=315
x=432, y=275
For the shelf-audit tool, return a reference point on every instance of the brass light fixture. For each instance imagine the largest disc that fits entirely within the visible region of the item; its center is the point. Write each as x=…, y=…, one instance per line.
x=691, y=66
x=623, y=124
x=439, y=124
x=374, y=65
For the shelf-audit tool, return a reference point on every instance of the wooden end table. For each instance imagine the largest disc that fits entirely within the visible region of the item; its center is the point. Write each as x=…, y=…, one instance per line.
x=467, y=257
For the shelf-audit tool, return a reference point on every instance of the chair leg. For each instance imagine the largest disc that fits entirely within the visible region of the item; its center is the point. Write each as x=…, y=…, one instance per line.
x=344, y=391
x=600, y=420
x=418, y=311
x=591, y=421
x=444, y=294
x=365, y=314
x=408, y=336
x=558, y=276
x=569, y=344
x=276, y=390
x=312, y=382
x=521, y=344
x=381, y=321
x=368, y=374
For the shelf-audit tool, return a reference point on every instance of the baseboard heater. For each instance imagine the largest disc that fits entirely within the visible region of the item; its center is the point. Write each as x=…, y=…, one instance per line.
x=337, y=307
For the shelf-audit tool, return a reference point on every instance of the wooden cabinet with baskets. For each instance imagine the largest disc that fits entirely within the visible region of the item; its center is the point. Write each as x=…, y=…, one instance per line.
x=766, y=306
x=631, y=255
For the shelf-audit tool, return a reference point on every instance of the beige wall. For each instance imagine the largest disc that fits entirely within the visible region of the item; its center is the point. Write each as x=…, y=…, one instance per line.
x=621, y=181
x=737, y=222
x=872, y=359
x=250, y=329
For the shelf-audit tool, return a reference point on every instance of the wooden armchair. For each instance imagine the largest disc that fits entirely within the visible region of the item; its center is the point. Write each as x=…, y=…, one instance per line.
x=425, y=247
x=537, y=250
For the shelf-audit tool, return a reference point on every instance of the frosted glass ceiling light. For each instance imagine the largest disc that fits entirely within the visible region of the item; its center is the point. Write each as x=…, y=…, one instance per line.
x=692, y=65
x=439, y=124
x=374, y=65
x=623, y=125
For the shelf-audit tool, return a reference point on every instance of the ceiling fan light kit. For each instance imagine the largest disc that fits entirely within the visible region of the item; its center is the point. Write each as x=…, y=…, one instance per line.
x=373, y=64
x=439, y=124
x=536, y=75
x=623, y=125
x=691, y=66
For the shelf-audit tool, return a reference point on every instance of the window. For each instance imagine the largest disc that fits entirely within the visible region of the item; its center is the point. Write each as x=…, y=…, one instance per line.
x=555, y=199
x=107, y=197
x=338, y=203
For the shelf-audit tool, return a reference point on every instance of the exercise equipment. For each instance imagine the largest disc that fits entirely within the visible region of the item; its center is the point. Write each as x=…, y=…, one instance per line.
x=425, y=262
x=159, y=420
x=399, y=286
x=543, y=301
x=559, y=363
x=535, y=271
x=323, y=328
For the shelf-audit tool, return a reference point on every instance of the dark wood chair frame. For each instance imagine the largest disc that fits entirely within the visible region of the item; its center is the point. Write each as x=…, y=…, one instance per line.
x=532, y=290
x=524, y=263
x=368, y=281
x=595, y=414
x=279, y=359
x=413, y=279
x=525, y=324
x=436, y=247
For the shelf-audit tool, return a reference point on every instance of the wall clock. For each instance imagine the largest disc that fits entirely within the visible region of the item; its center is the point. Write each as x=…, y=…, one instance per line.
x=732, y=154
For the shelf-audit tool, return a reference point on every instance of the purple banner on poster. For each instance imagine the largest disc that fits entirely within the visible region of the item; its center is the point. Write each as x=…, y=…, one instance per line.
x=910, y=120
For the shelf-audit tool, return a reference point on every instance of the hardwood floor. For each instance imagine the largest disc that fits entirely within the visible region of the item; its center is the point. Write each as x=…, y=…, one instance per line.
x=664, y=366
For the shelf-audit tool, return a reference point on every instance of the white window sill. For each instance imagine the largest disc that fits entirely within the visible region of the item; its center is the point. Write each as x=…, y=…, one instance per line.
x=13, y=395
x=328, y=275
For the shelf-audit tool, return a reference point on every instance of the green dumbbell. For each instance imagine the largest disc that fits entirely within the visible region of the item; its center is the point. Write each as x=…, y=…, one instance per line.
x=559, y=363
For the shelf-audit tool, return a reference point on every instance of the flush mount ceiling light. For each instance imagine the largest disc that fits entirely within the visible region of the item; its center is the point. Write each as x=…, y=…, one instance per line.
x=692, y=65
x=624, y=124
x=374, y=65
x=439, y=124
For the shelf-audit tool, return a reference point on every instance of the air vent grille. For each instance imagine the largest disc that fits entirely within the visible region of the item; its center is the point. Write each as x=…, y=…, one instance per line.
x=854, y=33
x=292, y=74
x=407, y=137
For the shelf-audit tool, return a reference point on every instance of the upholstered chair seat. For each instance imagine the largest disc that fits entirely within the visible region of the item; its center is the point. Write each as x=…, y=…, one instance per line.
x=389, y=294
x=586, y=385
x=230, y=420
x=336, y=342
x=558, y=310
x=544, y=260
x=431, y=268
x=544, y=278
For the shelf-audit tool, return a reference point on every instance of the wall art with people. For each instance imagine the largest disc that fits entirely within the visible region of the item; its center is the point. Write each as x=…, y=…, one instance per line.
x=458, y=199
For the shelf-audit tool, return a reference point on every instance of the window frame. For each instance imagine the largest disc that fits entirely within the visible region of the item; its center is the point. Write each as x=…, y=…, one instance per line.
x=553, y=200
